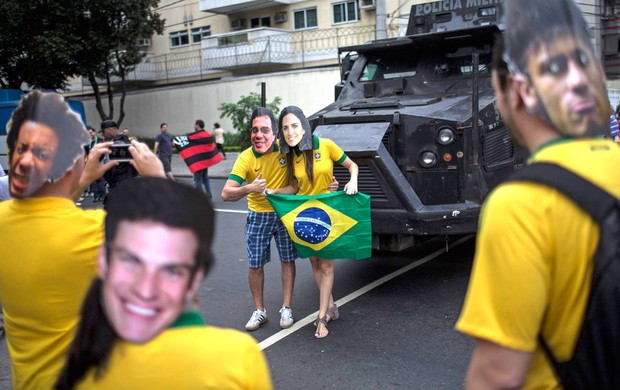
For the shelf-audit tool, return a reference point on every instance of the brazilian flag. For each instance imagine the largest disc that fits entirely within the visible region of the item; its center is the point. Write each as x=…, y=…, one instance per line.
x=331, y=226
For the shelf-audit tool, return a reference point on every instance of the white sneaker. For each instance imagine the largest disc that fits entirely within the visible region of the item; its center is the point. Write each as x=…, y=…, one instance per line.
x=286, y=317
x=258, y=318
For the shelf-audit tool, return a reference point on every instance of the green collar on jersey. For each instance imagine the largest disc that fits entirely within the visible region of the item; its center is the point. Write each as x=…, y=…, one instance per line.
x=188, y=318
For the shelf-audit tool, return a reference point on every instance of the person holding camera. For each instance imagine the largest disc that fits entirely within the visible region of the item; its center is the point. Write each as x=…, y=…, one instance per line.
x=50, y=245
x=123, y=171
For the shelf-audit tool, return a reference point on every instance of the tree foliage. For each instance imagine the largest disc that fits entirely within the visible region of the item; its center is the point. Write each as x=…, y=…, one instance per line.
x=36, y=46
x=45, y=42
x=241, y=112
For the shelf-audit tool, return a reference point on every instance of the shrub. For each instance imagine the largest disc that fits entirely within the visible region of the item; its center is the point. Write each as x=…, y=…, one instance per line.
x=232, y=139
x=241, y=112
x=150, y=141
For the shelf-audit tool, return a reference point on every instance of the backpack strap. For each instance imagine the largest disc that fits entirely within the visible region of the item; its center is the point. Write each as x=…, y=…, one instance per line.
x=591, y=198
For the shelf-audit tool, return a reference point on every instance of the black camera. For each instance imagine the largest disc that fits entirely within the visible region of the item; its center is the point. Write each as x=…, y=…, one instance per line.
x=120, y=152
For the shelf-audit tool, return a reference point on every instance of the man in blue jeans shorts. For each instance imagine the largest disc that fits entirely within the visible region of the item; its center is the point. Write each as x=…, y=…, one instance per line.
x=261, y=166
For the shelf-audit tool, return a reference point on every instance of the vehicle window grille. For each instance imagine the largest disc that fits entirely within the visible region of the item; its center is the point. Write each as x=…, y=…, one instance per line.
x=366, y=181
x=385, y=141
x=498, y=147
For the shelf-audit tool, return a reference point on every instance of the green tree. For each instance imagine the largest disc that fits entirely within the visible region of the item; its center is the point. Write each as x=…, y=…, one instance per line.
x=37, y=46
x=45, y=42
x=113, y=28
x=241, y=112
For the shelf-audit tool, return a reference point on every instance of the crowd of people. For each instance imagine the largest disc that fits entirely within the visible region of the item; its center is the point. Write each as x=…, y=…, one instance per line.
x=163, y=147
x=106, y=298
x=133, y=283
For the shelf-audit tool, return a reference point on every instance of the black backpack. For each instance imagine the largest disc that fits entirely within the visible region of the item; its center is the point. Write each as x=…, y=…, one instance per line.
x=595, y=363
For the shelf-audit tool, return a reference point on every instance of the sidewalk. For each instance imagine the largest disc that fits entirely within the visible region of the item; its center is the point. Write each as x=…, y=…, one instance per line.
x=218, y=171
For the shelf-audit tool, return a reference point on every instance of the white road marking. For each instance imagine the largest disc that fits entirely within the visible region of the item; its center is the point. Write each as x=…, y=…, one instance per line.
x=231, y=211
x=344, y=300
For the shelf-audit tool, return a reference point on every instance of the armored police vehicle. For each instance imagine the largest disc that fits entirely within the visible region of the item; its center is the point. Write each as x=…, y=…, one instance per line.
x=417, y=114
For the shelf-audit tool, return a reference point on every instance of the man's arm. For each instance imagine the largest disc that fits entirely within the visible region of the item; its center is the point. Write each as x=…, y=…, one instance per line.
x=294, y=188
x=334, y=185
x=287, y=190
x=145, y=161
x=156, y=147
x=234, y=191
x=495, y=367
x=93, y=169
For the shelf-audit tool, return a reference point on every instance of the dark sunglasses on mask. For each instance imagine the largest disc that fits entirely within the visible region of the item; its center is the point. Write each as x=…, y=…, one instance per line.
x=264, y=130
x=558, y=65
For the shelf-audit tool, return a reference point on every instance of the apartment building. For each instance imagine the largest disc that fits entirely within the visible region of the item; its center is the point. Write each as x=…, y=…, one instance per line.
x=211, y=39
x=231, y=40
x=215, y=51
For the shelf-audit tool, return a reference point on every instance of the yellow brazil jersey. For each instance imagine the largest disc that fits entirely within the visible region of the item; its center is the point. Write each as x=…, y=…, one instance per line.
x=49, y=254
x=325, y=153
x=532, y=263
x=250, y=164
x=185, y=358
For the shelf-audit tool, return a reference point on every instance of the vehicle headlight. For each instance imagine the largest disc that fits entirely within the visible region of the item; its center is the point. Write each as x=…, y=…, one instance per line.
x=427, y=159
x=445, y=136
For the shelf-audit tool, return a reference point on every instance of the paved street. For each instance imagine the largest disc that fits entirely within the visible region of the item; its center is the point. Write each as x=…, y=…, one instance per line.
x=397, y=312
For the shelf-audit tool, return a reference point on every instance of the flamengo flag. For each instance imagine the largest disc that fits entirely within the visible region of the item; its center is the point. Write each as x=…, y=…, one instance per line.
x=331, y=226
x=198, y=150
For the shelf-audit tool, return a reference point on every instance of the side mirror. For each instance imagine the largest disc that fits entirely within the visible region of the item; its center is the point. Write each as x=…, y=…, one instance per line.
x=346, y=66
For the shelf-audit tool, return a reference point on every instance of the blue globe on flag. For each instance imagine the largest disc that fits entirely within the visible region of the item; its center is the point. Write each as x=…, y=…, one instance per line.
x=312, y=225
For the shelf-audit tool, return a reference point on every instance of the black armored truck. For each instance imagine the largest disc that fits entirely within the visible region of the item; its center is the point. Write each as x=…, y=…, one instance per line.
x=417, y=114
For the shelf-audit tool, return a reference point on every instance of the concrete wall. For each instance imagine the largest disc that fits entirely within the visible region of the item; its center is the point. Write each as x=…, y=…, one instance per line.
x=180, y=106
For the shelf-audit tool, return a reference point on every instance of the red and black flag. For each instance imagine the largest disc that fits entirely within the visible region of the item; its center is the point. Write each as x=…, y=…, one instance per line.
x=198, y=150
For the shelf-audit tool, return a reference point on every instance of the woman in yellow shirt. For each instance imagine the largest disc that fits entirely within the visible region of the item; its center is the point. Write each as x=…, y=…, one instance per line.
x=310, y=162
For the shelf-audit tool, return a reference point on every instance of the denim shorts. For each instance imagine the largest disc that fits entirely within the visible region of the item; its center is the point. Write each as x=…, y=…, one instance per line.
x=259, y=229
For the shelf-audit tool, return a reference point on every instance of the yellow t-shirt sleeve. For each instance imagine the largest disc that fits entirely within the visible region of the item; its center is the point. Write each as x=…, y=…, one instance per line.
x=508, y=288
x=257, y=369
x=240, y=169
x=336, y=154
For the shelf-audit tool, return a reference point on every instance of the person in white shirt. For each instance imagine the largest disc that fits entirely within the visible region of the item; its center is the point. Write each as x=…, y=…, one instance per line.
x=218, y=132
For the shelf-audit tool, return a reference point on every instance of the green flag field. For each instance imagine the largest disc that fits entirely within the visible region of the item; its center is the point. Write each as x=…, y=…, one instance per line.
x=331, y=226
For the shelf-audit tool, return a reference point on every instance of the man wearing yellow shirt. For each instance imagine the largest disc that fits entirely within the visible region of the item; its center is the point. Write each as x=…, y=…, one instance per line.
x=136, y=331
x=43, y=270
x=532, y=268
x=261, y=166
x=50, y=247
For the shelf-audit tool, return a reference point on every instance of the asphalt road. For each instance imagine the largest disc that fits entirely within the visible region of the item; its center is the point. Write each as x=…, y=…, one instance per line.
x=397, y=313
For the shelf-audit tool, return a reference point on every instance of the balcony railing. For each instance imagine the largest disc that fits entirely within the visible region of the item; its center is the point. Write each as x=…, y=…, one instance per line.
x=258, y=47
x=269, y=46
x=232, y=6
